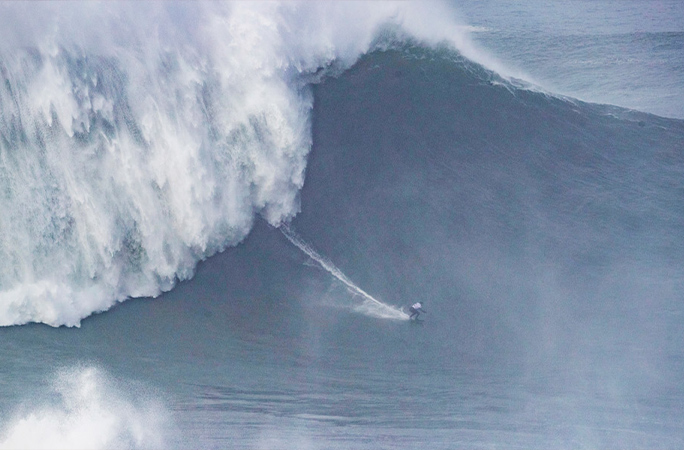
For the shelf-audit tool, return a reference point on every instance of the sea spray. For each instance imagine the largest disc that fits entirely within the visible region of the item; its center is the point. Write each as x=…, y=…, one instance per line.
x=370, y=306
x=87, y=408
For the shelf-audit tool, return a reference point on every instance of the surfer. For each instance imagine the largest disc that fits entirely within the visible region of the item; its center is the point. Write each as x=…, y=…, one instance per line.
x=415, y=310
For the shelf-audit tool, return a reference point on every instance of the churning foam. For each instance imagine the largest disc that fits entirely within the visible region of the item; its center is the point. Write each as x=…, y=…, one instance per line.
x=137, y=138
x=370, y=306
x=90, y=413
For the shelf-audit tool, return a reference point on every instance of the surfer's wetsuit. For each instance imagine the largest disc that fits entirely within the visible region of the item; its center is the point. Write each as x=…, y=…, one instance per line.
x=415, y=310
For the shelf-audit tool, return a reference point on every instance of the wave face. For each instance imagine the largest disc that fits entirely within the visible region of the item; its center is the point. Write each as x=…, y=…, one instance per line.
x=139, y=138
x=432, y=178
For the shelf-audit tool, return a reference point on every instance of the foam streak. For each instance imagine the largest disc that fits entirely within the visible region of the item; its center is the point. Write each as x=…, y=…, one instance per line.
x=372, y=305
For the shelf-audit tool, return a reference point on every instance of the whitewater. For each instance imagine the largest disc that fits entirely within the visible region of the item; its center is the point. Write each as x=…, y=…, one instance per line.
x=139, y=139
x=156, y=159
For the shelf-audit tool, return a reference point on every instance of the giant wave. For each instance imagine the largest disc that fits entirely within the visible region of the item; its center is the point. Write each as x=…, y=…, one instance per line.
x=137, y=139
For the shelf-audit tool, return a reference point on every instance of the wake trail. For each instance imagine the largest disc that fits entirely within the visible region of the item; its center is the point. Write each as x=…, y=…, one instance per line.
x=372, y=306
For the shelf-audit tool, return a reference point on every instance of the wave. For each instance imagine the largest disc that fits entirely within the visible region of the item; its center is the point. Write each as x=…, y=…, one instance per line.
x=90, y=411
x=139, y=138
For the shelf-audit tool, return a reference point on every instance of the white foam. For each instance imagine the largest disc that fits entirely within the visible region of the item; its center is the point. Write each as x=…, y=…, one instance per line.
x=141, y=137
x=370, y=306
x=90, y=413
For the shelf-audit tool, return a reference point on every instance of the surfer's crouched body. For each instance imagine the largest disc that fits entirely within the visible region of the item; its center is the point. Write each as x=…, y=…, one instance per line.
x=415, y=310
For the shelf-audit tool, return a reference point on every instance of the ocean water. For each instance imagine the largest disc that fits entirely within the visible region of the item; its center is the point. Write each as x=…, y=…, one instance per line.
x=213, y=216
